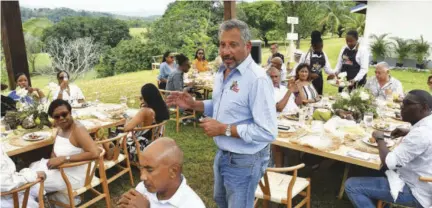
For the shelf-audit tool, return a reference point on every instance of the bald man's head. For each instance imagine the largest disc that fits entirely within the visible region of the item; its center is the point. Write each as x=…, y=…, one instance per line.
x=161, y=165
x=277, y=62
x=275, y=76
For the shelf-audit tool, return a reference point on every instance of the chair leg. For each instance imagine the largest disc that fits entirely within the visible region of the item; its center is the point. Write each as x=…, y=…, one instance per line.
x=177, y=120
x=380, y=204
x=104, y=184
x=308, y=194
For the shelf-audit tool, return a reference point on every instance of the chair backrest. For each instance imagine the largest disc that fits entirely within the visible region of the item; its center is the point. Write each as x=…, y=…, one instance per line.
x=26, y=187
x=265, y=187
x=112, y=146
x=157, y=130
x=157, y=59
x=92, y=165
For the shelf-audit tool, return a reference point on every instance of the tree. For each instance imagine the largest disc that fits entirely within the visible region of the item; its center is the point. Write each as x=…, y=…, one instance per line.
x=356, y=22
x=105, y=30
x=380, y=46
x=309, y=14
x=421, y=50
x=33, y=48
x=74, y=56
x=265, y=17
x=334, y=13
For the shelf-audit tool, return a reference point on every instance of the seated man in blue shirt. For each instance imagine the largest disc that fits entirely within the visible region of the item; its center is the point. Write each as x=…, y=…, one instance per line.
x=175, y=79
x=241, y=118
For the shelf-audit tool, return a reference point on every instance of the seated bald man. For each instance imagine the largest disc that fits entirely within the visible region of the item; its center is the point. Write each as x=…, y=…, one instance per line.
x=277, y=62
x=383, y=85
x=163, y=184
x=284, y=97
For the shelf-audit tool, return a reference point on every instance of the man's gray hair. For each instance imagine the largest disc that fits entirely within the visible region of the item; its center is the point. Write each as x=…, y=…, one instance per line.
x=384, y=65
x=278, y=59
x=233, y=24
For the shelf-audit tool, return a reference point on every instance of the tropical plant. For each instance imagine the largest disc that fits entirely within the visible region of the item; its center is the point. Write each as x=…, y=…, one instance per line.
x=356, y=22
x=402, y=48
x=334, y=12
x=421, y=49
x=380, y=46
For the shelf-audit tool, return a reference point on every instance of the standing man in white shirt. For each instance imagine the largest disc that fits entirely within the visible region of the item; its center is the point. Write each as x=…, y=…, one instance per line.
x=354, y=60
x=163, y=185
x=383, y=85
x=411, y=159
x=284, y=97
x=241, y=118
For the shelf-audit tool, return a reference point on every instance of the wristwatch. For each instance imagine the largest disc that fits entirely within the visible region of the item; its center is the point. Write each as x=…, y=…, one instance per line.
x=67, y=158
x=379, y=138
x=228, y=130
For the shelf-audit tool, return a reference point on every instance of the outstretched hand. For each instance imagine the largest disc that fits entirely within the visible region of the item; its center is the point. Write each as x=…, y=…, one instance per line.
x=181, y=99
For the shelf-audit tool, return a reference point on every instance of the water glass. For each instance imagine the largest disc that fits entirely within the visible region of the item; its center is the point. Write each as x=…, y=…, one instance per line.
x=97, y=97
x=368, y=119
x=302, y=116
x=325, y=101
x=123, y=100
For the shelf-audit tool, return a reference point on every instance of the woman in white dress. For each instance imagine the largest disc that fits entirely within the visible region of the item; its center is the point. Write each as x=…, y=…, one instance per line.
x=72, y=144
x=67, y=91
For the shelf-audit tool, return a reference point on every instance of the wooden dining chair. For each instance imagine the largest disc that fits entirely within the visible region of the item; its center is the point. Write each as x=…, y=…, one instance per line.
x=381, y=203
x=119, y=143
x=176, y=111
x=281, y=188
x=91, y=181
x=26, y=189
x=157, y=130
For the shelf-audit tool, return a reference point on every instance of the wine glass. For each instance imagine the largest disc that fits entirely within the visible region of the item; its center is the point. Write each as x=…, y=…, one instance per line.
x=368, y=119
x=123, y=100
x=96, y=97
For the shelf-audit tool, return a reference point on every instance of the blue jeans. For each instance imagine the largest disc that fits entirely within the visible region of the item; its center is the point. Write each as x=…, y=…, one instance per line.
x=363, y=190
x=237, y=176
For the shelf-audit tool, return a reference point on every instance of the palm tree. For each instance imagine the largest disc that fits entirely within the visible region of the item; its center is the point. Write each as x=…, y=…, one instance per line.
x=421, y=50
x=356, y=22
x=334, y=12
x=402, y=48
x=380, y=46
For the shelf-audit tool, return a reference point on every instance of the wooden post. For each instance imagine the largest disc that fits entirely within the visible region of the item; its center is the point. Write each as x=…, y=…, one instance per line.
x=229, y=10
x=13, y=41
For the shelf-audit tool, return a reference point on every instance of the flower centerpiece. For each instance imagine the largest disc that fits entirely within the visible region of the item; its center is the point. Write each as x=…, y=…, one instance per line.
x=356, y=103
x=340, y=80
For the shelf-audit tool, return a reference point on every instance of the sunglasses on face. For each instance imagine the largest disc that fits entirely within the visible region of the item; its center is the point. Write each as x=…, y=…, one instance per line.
x=64, y=115
x=200, y=53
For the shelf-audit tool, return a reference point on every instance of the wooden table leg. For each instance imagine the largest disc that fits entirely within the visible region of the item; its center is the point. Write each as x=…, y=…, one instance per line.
x=345, y=176
x=278, y=156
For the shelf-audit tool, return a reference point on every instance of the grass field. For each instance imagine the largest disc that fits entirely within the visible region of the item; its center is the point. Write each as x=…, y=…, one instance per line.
x=199, y=149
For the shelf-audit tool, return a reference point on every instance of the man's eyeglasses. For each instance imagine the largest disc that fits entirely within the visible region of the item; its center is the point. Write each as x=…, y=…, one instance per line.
x=64, y=115
x=409, y=102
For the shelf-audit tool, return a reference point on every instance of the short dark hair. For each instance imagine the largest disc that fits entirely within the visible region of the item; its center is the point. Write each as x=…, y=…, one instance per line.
x=61, y=71
x=196, y=53
x=429, y=78
x=181, y=59
x=57, y=103
x=353, y=34
x=153, y=98
x=316, y=38
x=423, y=97
x=301, y=66
x=18, y=75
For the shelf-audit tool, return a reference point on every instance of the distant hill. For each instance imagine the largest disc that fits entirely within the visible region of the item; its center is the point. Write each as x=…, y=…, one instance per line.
x=55, y=15
x=36, y=26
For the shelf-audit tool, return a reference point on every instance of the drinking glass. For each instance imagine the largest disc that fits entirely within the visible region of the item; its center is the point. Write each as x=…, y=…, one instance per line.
x=123, y=100
x=97, y=97
x=302, y=116
x=325, y=101
x=368, y=119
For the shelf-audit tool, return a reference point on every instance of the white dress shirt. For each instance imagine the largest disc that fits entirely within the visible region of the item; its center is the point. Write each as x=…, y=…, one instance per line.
x=379, y=92
x=291, y=107
x=362, y=58
x=75, y=93
x=184, y=197
x=412, y=158
x=305, y=58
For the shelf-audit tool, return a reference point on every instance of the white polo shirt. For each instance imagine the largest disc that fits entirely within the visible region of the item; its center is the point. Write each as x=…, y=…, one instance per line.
x=184, y=197
x=291, y=107
x=412, y=158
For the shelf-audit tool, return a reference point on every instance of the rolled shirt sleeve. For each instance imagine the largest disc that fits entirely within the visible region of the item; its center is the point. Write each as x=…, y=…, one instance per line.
x=327, y=67
x=411, y=147
x=262, y=104
x=208, y=108
x=363, y=59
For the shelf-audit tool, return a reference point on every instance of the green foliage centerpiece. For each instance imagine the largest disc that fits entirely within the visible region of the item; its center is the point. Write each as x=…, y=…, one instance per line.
x=356, y=103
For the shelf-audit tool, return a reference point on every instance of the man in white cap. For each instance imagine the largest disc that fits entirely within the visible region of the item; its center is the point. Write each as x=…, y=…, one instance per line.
x=383, y=85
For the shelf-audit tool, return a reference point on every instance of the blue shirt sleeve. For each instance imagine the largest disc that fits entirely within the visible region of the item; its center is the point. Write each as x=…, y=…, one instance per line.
x=163, y=71
x=261, y=103
x=13, y=95
x=208, y=108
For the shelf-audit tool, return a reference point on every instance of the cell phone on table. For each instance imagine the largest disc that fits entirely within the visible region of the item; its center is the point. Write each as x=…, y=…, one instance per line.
x=285, y=128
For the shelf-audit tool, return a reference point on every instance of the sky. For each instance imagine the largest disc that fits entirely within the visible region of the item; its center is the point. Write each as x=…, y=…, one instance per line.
x=125, y=7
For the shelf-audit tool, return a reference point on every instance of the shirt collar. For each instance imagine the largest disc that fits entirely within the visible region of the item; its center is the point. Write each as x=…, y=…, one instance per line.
x=242, y=67
x=178, y=196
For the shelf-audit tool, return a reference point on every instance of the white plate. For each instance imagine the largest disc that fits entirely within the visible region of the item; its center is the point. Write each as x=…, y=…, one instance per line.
x=389, y=142
x=41, y=136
